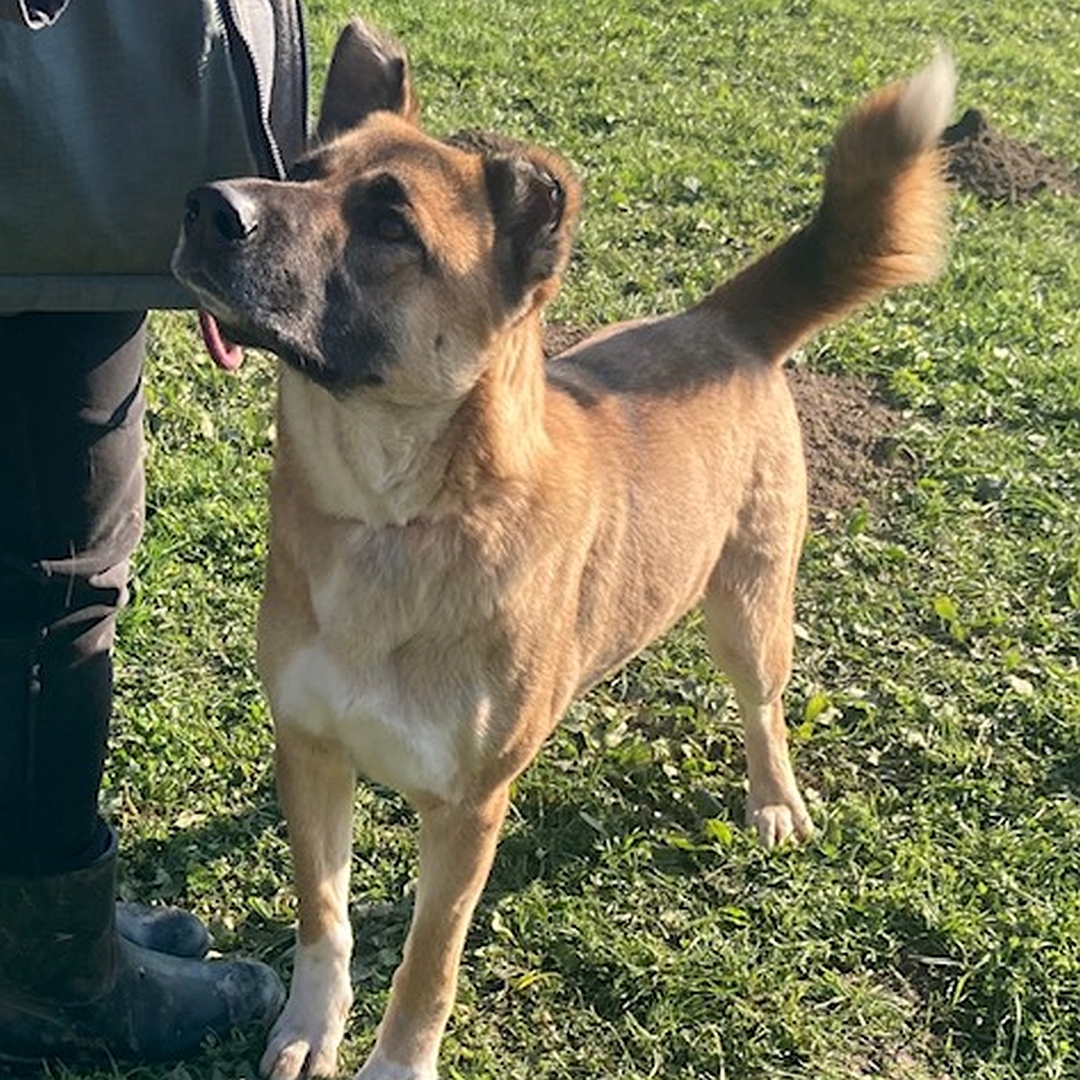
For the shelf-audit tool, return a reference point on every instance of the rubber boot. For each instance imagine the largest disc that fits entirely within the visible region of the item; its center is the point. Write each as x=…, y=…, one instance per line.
x=162, y=929
x=72, y=987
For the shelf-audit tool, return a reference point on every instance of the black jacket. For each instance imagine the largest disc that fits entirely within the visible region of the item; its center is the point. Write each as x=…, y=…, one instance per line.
x=110, y=110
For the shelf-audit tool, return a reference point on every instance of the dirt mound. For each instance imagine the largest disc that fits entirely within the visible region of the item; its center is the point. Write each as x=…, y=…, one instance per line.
x=999, y=169
x=847, y=433
x=848, y=436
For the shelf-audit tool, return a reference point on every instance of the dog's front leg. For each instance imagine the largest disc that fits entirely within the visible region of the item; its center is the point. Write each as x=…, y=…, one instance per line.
x=316, y=785
x=457, y=846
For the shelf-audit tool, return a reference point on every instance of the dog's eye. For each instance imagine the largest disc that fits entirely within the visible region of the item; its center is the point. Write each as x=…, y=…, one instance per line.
x=391, y=226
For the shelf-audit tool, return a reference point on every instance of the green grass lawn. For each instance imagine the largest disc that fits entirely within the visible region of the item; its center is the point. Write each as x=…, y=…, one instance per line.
x=632, y=928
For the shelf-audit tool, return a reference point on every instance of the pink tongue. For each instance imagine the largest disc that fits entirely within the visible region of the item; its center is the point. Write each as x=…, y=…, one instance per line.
x=226, y=354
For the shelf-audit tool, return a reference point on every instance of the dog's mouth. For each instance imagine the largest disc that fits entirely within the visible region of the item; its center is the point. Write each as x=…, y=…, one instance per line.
x=225, y=352
x=226, y=332
x=230, y=320
x=225, y=344
x=213, y=231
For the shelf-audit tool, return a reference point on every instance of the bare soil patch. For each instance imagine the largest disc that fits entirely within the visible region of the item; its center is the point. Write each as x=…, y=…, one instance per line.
x=849, y=437
x=999, y=169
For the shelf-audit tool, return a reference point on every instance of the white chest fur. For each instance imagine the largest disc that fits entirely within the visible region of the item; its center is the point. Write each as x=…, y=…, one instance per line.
x=392, y=736
x=391, y=671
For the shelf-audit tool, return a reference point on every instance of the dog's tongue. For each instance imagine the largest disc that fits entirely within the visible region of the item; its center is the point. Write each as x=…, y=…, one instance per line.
x=226, y=354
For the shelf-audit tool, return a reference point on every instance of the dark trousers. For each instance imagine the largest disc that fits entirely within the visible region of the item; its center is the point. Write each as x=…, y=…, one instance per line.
x=71, y=513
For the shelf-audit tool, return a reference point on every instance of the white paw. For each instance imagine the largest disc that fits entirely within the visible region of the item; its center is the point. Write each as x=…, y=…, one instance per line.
x=780, y=820
x=380, y=1067
x=304, y=1042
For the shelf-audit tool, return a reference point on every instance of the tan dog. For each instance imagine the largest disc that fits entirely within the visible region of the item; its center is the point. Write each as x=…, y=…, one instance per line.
x=465, y=539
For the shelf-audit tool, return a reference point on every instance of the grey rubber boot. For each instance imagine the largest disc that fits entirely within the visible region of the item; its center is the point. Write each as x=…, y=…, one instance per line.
x=72, y=987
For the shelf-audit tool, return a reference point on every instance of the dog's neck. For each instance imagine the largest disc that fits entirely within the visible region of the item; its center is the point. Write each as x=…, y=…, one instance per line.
x=501, y=433
x=382, y=463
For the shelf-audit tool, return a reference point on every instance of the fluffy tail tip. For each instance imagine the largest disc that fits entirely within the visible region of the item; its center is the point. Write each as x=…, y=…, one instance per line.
x=927, y=100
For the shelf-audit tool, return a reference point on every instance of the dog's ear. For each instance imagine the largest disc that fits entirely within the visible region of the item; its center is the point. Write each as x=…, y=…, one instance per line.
x=534, y=199
x=369, y=71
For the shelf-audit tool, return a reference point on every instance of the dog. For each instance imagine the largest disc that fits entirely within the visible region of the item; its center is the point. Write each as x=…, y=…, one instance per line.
x=463, y=537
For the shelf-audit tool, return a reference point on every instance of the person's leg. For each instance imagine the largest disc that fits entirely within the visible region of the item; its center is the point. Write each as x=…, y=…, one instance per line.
x=71, y=498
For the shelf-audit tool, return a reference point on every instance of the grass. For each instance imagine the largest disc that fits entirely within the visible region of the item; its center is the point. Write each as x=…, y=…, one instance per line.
x=632, y=928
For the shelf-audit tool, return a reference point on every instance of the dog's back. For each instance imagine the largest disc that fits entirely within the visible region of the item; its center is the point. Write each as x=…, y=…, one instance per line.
x=691, y=412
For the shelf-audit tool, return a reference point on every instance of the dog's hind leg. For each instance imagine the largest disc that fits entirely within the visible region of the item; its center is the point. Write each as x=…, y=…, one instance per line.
x=749, y=612
x=316, y=785
x=457, y=846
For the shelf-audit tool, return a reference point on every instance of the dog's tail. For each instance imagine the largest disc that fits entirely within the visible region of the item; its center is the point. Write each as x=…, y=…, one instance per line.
x=881, y=223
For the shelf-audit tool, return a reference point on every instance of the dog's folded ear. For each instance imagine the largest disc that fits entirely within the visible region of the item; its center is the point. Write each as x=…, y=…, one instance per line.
x=369, y=72
x=534, y=199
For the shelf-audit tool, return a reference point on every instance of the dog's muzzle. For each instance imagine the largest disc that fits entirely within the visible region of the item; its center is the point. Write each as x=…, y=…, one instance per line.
x=218, y=219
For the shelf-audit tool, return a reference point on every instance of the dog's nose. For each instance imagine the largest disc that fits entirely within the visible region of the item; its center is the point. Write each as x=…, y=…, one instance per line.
x=220, y=214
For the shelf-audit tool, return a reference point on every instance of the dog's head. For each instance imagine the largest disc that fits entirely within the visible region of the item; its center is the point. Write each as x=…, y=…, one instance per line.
x=389, y=259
